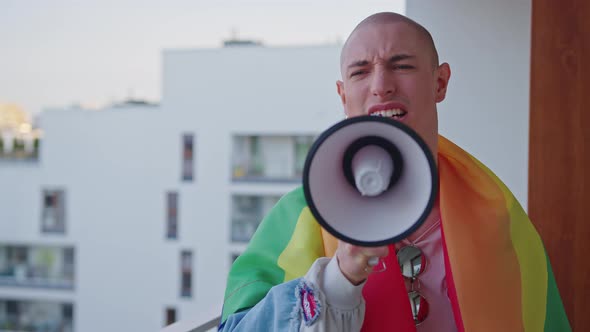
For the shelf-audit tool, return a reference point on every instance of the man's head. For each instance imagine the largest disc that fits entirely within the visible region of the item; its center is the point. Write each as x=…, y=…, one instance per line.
x=389, y=67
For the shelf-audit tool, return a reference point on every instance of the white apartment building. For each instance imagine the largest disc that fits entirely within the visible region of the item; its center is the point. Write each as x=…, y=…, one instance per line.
x=130, y=217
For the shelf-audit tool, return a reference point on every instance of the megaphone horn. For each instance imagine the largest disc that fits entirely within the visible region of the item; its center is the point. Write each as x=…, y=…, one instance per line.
x=370, y=181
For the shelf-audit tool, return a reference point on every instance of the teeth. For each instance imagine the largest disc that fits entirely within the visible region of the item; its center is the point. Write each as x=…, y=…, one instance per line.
x=389, y=113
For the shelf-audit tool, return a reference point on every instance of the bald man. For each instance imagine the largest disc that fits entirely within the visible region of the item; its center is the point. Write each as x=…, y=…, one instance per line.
x=469, y=277
x=388, y=75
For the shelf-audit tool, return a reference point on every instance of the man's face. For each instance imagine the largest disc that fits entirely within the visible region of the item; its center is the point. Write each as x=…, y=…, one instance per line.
x=388, y=70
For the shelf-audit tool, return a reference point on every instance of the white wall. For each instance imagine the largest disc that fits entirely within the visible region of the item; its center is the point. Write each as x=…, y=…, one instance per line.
x=116, y=166
x=487, y=44
x=246, y=89
x=218, y=93
x=15, y=204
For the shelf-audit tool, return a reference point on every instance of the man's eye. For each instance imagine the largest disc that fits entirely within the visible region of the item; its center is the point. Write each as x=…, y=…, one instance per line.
x=357, y=73
x=403, y=67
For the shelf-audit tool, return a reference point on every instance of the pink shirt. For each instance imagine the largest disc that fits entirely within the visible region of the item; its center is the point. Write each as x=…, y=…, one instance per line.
x=432, y=283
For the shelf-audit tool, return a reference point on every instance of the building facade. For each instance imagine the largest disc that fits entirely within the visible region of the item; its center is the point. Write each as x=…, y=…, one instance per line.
x=130, y=217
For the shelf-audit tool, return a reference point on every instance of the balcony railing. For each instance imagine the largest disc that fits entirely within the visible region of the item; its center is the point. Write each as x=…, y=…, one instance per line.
x=242, y=229
x=194, y=325
x=37, y=282
x=14, y=323
x=19, y=150
x=266, y=179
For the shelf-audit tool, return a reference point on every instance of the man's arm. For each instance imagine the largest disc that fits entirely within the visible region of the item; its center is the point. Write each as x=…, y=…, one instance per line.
x=323, y=300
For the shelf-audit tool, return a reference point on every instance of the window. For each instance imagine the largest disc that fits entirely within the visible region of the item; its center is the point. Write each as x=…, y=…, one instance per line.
x=186, y=272
x=234, y=256
x=302, y=146
x=20, y=145
x=187, y=157
x=67, y=312
x=247, y=212
x=170, y=316
x=68, y=264
x=172, y=215
x=12, y=308
x=269, y=158
x=37, y=266
x=38, y=315
x=53, y=216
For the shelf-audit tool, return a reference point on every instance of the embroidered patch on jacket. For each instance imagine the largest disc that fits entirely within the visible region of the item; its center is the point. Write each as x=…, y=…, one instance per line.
x=309, y=304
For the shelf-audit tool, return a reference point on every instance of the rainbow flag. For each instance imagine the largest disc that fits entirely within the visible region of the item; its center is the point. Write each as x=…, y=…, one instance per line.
x=499, y=275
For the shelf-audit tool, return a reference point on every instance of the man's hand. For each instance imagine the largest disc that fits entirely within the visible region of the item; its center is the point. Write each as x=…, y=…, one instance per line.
x=354, y=260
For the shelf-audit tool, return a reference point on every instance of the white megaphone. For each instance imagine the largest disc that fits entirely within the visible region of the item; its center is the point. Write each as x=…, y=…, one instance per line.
x=370, y=181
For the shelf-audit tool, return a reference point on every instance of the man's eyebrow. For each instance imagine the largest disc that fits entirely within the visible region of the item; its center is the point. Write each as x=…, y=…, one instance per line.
x=400, y=57
x=359, y=63
x=393, y=59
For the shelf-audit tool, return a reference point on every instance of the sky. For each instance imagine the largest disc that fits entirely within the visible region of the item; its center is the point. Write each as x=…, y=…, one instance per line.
x=93, y=53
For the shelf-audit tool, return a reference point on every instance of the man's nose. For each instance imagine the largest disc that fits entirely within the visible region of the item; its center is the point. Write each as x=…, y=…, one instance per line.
x=382, y=84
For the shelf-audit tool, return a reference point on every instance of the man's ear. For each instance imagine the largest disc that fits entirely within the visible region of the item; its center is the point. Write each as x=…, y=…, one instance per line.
x=340, y=90
x=443, y=73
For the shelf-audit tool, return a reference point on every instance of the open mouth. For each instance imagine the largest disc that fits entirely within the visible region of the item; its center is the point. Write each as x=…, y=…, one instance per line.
x=394, y=113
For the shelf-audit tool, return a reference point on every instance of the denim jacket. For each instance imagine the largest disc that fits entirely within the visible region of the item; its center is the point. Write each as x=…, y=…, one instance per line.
x=306, y=304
